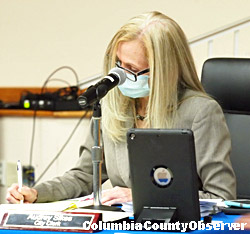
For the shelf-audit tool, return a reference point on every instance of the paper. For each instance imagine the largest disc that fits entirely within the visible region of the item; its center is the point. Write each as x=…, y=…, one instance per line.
x=209, y=206
x=56, y=206
x=71, y=205
x=127, y=207
x=107, y=216
x=51, y=206
x=81, y=201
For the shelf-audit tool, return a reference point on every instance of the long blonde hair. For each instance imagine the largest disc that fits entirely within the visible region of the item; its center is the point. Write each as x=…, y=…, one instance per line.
x=171, y=65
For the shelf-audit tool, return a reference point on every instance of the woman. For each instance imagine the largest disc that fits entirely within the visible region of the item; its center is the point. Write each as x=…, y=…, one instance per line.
x=162, y=90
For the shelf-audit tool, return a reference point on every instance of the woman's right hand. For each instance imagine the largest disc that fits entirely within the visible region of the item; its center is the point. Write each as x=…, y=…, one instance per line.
x=16, y=194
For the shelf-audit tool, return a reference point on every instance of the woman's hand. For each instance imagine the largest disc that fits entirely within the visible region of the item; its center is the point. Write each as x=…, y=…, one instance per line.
x=16, y=194
x=116, y=195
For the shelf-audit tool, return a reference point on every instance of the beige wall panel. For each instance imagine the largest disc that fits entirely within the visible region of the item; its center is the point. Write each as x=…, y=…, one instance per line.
x=199, y=52
x=223, y=46
x=50, y=135
x=244, y=42
x=39, y=36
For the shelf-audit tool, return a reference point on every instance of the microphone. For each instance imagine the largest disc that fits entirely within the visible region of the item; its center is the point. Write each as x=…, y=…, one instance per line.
x=116, y=76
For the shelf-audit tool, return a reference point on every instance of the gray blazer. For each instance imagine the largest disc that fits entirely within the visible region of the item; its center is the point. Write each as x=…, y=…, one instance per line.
x=212, y=142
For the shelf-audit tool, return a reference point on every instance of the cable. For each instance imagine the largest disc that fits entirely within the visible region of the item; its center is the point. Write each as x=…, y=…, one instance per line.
x=35, y=108
x=58, y=79
x=33, y=135
x=63, y=147
x=58, y=69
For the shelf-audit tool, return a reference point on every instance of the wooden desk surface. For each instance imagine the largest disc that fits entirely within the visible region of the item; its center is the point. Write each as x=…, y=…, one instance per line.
x=43, y=113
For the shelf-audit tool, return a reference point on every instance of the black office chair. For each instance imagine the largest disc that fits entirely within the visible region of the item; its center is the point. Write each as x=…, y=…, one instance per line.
x=228, y=81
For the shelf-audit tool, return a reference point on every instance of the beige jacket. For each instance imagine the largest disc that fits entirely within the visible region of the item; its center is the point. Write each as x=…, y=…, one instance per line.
x=212, y=142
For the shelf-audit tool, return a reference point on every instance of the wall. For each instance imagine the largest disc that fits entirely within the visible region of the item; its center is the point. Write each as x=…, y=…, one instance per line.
x=50, y=136
x=38, y=36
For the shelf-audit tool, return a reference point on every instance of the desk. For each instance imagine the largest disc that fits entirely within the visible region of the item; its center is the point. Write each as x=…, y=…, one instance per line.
x=45, y=113
x=217, y=217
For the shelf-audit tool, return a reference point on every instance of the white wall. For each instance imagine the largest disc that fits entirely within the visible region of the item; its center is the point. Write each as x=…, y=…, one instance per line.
x=38, y=36
x=50, y=135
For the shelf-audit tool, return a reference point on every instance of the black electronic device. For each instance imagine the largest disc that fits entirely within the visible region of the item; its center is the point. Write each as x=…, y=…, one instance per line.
x=163, y=175
x=1, y=104
x=60, y=100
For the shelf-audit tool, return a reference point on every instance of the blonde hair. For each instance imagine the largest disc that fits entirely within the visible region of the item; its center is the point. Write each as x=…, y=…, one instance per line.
x=171, y=65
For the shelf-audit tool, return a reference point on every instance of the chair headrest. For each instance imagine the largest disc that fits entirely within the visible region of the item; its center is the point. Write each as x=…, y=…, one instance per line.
x=228, y=81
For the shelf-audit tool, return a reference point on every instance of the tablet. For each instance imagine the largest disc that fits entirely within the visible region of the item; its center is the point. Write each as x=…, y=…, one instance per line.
x=163, y=172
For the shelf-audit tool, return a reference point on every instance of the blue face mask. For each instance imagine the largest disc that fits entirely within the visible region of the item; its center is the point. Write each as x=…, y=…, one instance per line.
x=136, y=89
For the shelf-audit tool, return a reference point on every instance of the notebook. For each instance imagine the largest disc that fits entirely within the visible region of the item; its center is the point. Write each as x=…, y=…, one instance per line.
x=163, y=173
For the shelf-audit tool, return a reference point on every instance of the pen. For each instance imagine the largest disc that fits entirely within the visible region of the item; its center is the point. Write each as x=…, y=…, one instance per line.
x=20, y=176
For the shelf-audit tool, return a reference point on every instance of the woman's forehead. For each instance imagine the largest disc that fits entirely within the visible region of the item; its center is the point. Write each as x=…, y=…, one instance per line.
x=132, y=52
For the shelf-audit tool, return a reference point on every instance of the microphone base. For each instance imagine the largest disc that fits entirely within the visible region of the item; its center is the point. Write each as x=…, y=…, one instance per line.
x=102, y=207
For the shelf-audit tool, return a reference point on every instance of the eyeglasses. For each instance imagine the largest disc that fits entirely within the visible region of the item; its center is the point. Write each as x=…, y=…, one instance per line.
x=135, y=75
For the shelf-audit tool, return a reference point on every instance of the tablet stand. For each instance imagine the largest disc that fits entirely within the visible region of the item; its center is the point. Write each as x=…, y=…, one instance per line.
x=97, y=159
x=157, y=215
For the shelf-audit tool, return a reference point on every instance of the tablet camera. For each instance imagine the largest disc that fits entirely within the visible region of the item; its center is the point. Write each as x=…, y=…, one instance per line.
x=162, y=176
